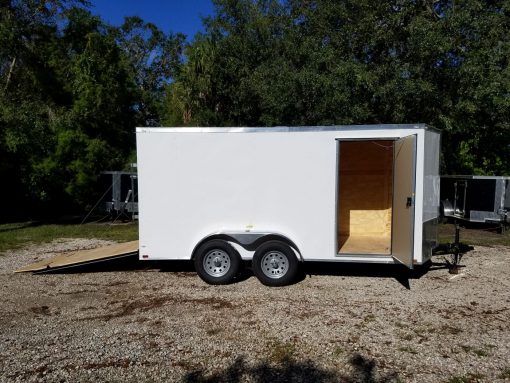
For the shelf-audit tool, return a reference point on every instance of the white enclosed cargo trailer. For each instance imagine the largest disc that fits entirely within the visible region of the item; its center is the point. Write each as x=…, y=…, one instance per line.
x=279, y=196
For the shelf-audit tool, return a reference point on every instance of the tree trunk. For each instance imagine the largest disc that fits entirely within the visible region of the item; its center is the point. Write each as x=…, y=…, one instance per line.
x=11, y=68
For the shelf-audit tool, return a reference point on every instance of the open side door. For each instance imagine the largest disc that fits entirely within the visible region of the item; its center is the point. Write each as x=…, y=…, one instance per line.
x=404, y=186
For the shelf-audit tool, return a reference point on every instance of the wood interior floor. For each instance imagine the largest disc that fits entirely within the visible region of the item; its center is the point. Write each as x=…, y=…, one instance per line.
x=360, y=244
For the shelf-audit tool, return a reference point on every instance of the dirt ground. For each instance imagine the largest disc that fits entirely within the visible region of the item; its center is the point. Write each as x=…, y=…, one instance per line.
x=338, y=324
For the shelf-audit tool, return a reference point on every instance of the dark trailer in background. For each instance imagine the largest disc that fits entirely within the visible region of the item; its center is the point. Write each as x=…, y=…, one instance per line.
x=480, y=199
x=121, y=197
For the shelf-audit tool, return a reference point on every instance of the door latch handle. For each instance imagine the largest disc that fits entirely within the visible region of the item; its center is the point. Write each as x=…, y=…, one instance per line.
x=409, y=202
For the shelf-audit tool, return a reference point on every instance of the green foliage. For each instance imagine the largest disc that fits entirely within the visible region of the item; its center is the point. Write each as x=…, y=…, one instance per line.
x=505, y=373
x=269, y=62
x=70, y=98
x=280, y=352
x=152, y=58
x=469, y=378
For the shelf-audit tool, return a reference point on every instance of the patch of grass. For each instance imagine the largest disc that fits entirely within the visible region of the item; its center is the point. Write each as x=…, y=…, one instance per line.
x=469, y=378
x=474, y=235
x=280, y=352
x=408, y=349
x=130, y=306
x=213, y=331
x=466, y=348
x=338, y=351
x=481, y=352
x=407, y=337
x=400, y=324
x=185, y=365
x=505, y=373
x=477, y=351
x=16, y=235
x=451, y=329
x=44, y=310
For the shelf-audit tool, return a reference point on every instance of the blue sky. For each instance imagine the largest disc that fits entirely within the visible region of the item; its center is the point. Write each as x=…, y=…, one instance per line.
x=170, y=15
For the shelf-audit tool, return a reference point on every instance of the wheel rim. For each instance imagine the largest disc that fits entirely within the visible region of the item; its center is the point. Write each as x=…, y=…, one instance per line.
x=274, y=264
x=216, y=263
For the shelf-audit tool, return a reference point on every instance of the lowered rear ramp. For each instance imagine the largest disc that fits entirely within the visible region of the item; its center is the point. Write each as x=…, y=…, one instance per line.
x=82, y=257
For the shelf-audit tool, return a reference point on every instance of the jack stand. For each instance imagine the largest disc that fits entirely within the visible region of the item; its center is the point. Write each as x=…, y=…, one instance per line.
x=452, y=253
x=455, y=251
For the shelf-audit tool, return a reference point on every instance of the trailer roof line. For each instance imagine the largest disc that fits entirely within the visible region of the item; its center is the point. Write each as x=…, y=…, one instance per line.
x=279, y=129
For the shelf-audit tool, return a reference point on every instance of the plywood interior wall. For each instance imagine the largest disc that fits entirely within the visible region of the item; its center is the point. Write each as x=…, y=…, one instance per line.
x=365, y=196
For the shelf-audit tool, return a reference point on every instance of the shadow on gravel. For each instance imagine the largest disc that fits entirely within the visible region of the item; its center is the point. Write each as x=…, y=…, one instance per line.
x=128, y=263
x=401, y=273
x=363, y=371
x=188, y=267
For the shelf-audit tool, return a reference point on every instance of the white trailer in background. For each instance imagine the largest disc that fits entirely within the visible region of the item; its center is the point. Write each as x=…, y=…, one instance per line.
x=279, y=196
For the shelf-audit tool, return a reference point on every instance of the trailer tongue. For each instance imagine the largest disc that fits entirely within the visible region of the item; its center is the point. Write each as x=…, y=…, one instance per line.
x=83, y=257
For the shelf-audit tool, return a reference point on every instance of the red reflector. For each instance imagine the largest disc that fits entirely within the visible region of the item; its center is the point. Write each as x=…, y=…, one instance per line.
x=145, y=256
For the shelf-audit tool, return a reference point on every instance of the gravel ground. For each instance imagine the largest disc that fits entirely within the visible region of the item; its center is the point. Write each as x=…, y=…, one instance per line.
x=339, y=324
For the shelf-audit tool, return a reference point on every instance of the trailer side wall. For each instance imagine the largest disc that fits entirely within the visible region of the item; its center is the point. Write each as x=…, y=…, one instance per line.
x=194, y=183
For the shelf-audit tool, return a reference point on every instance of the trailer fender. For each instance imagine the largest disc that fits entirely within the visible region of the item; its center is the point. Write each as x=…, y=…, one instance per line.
x=249, y=241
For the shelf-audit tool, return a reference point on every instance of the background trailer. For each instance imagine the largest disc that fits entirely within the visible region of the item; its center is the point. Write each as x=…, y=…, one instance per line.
x=281, y=195
x=481, y=199
x=121, y=197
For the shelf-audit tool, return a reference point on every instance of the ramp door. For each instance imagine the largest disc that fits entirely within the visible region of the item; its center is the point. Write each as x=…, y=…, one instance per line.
x=82, y=257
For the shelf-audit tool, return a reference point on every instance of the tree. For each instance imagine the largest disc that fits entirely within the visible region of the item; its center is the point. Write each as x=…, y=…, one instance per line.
x=72, y=91
x=95, y=132
x=300, y=62
x=153, y=58
x=30, y=93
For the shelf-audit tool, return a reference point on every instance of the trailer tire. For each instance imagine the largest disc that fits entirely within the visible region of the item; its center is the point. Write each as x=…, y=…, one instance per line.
x=217, y=262
x=275, y=264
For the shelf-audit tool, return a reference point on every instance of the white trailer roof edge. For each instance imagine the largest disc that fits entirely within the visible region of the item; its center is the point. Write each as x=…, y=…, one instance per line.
x=279, y=129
